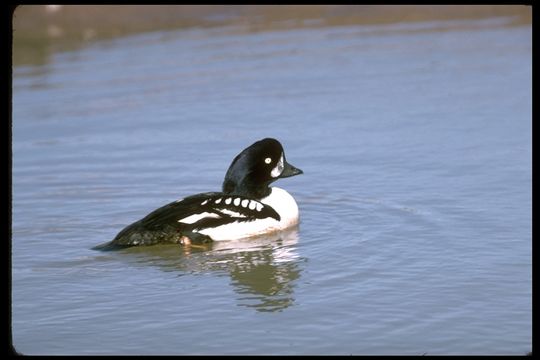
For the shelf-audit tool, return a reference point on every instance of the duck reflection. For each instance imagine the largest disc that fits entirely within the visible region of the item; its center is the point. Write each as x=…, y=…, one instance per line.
x=264, y=279
x=263, y=270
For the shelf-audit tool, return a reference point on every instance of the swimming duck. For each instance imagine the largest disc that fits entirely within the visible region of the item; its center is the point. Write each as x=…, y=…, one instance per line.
x=247, y=205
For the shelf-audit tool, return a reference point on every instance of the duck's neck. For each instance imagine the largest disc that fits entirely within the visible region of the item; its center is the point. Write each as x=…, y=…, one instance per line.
x=246, y=188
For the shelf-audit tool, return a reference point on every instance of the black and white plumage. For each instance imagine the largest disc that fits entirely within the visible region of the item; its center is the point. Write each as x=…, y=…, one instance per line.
x=247, y=205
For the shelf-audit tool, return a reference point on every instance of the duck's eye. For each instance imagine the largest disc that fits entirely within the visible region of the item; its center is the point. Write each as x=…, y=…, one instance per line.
x=268, y=160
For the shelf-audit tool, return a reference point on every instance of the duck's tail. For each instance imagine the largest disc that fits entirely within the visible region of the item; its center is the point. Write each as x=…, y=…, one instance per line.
x=137, y=234
x=109, y=246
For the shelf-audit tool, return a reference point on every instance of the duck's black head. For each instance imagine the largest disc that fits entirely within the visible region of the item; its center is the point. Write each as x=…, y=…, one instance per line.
x=256, y=167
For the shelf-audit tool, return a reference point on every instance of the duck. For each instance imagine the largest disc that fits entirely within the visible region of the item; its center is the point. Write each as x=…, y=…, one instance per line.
x=247, y=206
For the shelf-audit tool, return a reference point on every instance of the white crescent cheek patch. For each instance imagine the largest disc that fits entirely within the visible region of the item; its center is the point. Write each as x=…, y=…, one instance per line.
x=278, y=169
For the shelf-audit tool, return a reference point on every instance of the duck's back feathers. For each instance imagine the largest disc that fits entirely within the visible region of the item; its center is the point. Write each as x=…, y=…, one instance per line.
x=186, y=217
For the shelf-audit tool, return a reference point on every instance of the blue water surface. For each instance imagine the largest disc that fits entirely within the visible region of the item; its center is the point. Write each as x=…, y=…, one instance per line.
x=416, y=229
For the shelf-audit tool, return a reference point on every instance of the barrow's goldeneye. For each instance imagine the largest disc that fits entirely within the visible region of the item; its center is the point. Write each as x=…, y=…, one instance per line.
x=247, y=206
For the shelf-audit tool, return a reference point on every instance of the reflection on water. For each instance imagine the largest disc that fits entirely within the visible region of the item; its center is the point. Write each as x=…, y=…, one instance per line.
x=263, y=270
x=265, y=279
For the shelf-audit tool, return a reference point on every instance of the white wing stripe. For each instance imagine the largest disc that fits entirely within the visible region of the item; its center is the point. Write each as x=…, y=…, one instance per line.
x=196, y=217
x=232, y=213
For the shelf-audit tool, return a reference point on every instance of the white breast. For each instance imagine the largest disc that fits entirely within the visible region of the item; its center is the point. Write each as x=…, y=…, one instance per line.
x=280, y=200
x=285, y=205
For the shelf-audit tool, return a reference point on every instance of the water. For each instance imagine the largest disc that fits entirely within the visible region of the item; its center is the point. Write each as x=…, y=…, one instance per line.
x=415, y=235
